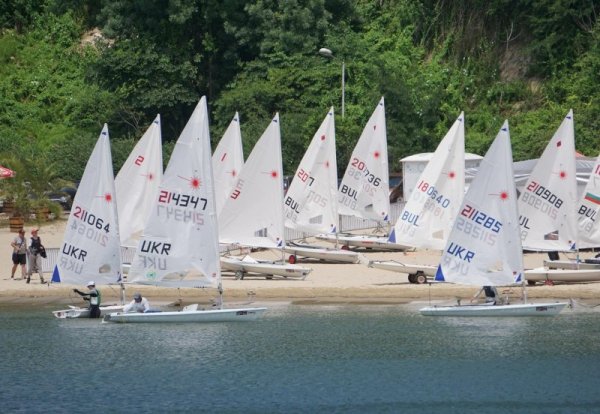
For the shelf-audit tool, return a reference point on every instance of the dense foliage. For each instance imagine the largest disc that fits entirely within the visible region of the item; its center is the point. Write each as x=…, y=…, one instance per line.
x=67, y=67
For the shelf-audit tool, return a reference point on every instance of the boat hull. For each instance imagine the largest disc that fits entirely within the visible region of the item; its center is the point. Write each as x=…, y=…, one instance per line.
x=528, y=309
x=543, y=274
x=194, y=316
x=325, y=254
x=570, y=265
x=242, y=266
x=416, y=273
x=75, y=312
x=363, y=241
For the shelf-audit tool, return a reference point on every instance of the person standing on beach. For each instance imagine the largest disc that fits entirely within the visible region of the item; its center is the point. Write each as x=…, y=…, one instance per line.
x=19, y=255
x=36, y=252
x=94, y=296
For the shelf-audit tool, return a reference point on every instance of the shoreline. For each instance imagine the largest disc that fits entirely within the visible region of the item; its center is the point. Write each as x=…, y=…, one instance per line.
x=328, y=283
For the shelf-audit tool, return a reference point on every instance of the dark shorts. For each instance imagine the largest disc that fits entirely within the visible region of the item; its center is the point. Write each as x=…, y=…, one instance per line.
x=19, y=258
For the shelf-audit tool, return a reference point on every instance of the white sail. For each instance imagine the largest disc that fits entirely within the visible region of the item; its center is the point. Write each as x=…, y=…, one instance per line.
x=549, y=199
x=311, y=200
x=364, y=191
x=429, y=213
x=588, y=212
x=484, y=247
x=179, y=246
x=227, y=159
x=253, y=212
x=137, y=184
x=91, y=247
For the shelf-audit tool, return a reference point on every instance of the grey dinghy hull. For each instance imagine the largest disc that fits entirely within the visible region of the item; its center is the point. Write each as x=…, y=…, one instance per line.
x=527, y=309
x=191, y=316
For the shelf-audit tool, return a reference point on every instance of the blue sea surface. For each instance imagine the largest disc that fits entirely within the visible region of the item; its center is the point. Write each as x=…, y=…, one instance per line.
x=303, y=359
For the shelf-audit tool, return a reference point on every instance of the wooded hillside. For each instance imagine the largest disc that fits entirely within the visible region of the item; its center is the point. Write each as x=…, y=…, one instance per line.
x=68, y=67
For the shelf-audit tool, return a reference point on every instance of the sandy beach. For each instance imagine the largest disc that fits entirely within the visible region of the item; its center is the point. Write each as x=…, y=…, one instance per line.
x=327, y=283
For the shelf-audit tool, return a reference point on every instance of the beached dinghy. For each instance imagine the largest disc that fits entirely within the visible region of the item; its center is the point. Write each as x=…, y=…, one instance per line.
x=548, y=207
x=252, y=215
x=549, y=276
x=588, y=212
x=417, y=273
x=310, y=251
x=248, y=264
x=311, y=202
x=427, y=217
x=587, y=264
x=91, y=247
x=180, y=245
x=364, y=190
x=363, y=241
x=484, y=246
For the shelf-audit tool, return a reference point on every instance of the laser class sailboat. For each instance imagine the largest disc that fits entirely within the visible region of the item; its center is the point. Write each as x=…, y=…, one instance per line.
x=364, y=190
x=180, y=243
x=252, y=215
x=427, y=217
x=91, y=247
x=311, y=203
x=484, y=246
x=548, y=207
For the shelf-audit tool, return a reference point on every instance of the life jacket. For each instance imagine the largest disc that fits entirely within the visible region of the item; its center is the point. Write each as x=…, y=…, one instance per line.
x=95, y=300
x=489, y=292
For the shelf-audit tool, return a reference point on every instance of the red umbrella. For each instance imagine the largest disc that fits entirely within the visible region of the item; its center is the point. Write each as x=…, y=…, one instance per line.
x=6, y=173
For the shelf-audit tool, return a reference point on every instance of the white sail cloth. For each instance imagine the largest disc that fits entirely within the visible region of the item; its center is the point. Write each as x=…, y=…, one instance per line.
x=227, y=159
x=427, y=217
x=179, y=246
x=548, y=201
x=137, y=184
x=311, y=201
x=253, y=212
x=364, y=190
x=91, y=247
x=484, y=247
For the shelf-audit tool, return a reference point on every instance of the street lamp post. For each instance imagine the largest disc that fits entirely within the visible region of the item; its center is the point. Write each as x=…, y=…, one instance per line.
x=328, y=54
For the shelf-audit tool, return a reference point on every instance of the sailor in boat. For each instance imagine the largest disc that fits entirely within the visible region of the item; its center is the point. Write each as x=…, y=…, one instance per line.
x=93, y=296
x=138, y=304
x=491, y=295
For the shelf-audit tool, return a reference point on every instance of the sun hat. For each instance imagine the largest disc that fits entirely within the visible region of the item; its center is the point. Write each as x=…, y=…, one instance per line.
x=91, y=283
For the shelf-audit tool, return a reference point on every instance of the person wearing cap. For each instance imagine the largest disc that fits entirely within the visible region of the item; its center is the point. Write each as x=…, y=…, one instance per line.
x=36, y=252
x=19, y=255
x=138, y=304
x=93, y=295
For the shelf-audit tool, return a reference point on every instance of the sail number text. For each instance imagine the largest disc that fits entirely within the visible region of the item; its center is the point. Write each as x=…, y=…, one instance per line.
x=182, y=200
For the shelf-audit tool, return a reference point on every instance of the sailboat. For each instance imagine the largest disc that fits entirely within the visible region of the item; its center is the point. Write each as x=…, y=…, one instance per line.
x=91, y=246
x=484, y=246
x=311, y=201
x=227, y=159
x=364, y=190
x=137, y=184
x=548, y=207
x=180, y=244
x=588, y=212
x=427, y=217
x=253, y=213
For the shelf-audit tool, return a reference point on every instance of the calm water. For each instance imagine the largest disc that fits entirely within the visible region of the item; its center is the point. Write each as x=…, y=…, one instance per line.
x=304, y=359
